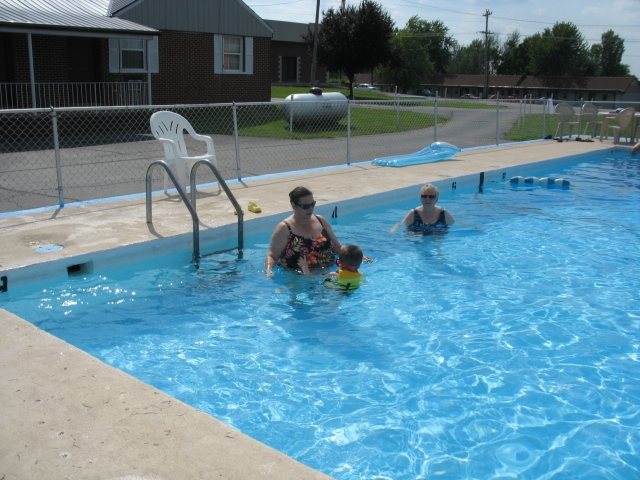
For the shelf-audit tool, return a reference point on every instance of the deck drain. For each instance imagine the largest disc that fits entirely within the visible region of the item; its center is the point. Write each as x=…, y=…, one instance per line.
x=49, y=248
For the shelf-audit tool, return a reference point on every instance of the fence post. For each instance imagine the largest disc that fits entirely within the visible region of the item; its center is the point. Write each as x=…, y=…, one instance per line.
x=397, y=108
x=498, y=125
x=435, y=119
x=291, y=116
x=235, y=134
x=56, y=149
x=348, y=132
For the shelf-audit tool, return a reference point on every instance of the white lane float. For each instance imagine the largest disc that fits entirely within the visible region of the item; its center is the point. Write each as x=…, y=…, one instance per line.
x=544, y=181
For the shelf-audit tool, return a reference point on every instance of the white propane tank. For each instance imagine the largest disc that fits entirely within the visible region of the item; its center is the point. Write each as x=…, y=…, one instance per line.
x=314, y=107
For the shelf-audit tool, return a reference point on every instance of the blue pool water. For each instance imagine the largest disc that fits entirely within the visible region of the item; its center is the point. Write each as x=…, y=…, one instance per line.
x=507, y=348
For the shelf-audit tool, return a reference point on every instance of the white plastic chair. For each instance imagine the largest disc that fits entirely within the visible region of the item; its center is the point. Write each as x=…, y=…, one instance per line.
x=624, y=118
x=169, y=127
x=565, y=113
x=590, y=114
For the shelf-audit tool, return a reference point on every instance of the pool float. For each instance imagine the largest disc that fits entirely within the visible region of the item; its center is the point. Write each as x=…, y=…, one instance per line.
x=548, y=181
x=433, y=153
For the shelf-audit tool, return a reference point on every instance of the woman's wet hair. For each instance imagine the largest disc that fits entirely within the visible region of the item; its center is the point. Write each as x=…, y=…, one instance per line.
x=431, y=187
x=297, y=193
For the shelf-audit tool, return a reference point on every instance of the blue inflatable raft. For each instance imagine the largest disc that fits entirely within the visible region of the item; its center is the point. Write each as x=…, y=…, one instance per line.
x=435, y=152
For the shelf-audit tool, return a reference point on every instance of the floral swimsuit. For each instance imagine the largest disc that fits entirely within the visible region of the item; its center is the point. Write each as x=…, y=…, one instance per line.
x=427, y=228
x=319, y=251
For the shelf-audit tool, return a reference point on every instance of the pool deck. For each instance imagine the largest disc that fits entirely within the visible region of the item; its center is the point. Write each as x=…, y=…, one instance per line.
x=66, y=414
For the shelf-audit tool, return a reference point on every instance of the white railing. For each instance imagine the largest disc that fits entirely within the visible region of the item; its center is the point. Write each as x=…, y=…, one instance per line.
x=78, y=94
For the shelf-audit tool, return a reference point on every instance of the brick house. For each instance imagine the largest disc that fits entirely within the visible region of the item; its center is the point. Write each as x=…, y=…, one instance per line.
x=290, y=59
x=123, y=52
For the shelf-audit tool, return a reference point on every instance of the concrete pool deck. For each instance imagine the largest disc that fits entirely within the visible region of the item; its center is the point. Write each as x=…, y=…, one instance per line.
x=66, y=414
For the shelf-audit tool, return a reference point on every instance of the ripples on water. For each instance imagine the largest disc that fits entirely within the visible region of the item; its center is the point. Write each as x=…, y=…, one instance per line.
x=510, y=350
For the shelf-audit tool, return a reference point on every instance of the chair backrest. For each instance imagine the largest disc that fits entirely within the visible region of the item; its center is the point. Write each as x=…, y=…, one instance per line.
x=591, y=111
x=625, y=117
x=564, y=111
x=170, y=125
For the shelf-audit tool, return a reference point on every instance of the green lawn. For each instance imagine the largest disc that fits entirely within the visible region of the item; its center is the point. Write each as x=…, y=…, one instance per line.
x=284, y=92
x=534, y=127
x=364, y=121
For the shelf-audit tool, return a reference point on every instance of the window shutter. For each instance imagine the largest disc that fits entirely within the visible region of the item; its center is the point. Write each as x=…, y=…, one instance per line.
x=248, y=55
x=153, y=55
x=279, y=68
x=217, y=53
x=114, y=55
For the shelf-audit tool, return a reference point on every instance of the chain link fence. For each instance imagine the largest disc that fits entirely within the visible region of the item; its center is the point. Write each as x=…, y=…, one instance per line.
x=51, y=157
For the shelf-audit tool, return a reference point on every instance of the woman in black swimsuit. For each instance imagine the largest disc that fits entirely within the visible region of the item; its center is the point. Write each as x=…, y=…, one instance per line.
x=303, y=234
x=427, y=218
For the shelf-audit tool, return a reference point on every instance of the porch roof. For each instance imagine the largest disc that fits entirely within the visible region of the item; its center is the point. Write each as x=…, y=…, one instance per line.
x=66, y=16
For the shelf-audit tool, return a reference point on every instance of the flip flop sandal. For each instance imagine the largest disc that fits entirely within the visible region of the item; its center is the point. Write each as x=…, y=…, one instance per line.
x=253, y=207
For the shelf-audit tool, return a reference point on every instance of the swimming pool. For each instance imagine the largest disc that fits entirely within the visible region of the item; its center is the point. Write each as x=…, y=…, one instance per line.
x=511, y=352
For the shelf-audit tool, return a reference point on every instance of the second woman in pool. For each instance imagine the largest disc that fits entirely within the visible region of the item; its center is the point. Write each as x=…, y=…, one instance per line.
x=427, y=218
x=302, y=234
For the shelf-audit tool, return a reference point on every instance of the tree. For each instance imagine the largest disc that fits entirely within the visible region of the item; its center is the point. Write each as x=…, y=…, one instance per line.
x=468, y=60
x=513, y=58
x=608, y=56
x=560, y=51
x=438, y=42
x=421, y=48
x=354, y=39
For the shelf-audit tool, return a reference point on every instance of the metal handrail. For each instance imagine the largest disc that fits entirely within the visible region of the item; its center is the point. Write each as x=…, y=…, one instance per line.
x=223, y=184
x=183, y=195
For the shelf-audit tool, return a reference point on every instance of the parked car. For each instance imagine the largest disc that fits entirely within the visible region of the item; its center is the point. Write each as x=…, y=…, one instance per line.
x=469, y=95
x=423, y=92
x=366, y=86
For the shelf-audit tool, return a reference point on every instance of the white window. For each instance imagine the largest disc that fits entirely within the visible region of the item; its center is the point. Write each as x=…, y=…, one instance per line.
x=133, y=55
x=232, y=54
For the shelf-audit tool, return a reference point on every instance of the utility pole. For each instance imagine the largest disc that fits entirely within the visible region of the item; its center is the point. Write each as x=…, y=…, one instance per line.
x=486, y=54
x=315, y=47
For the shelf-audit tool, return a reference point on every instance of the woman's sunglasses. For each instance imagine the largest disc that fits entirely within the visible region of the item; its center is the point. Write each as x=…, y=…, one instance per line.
x=430, y=197
x=306, y=206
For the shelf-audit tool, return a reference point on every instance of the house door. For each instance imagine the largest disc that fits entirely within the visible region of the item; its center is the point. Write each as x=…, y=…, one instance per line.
x=5, y=64
x=289, y=69
x=84, y=55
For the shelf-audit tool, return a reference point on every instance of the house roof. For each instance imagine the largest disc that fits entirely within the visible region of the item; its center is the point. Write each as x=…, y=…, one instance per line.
x=66, y=15
x=225, y=17
x=612, y=84
x=289, y=31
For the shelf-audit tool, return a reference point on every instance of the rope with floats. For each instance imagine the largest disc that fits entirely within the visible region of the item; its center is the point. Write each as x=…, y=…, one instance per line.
x=544, y=181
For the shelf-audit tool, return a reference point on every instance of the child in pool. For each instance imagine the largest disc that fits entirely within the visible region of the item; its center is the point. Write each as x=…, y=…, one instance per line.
x=347, y=278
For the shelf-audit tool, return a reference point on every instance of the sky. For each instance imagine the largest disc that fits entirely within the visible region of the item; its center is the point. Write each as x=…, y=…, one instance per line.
x=465, y=19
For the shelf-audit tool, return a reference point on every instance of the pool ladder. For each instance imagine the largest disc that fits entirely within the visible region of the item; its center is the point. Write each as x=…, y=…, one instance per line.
x=191, y=204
